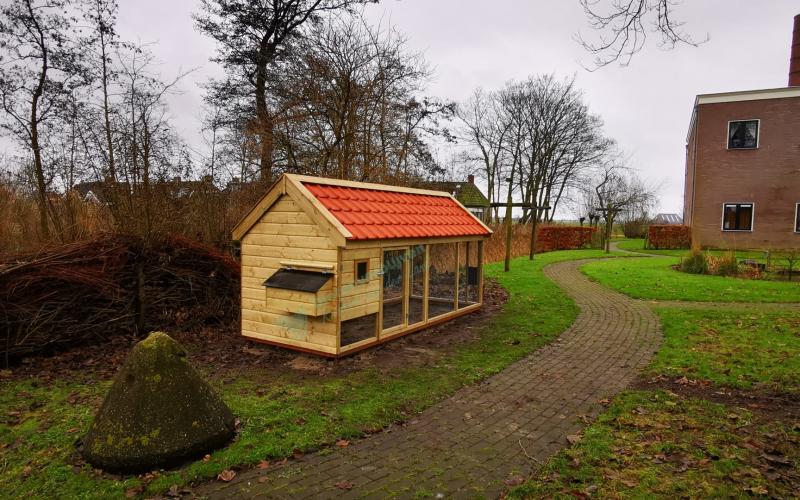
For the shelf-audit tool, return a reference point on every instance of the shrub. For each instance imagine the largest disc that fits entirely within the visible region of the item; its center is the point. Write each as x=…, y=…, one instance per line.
x=634, y=229
x=551, y=238
x=724, y=265
x=696, y=262
x=668, y=237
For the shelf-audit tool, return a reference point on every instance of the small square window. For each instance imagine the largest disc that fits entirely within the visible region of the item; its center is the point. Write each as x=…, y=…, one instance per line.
x=362, y=270
x=737, y=217
x=743, y=134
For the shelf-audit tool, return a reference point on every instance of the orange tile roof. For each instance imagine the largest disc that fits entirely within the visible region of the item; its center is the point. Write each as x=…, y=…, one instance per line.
x=371, y=214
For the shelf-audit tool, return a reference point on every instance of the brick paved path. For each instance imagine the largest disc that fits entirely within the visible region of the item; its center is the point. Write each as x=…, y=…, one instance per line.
x=468, y=444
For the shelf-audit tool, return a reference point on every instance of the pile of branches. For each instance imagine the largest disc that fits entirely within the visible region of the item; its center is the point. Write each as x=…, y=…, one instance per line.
x=112, y=285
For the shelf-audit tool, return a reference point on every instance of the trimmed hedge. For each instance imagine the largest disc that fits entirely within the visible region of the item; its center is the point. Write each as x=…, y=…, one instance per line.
x=551, y=238
x=668, y=237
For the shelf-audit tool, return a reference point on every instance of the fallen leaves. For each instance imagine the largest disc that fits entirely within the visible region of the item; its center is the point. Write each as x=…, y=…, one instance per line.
x=345, y=485
x=226, y=475
x=134, y=492
x=342, y=443
x=573, y=439
x=264, y=464
x=514, y=480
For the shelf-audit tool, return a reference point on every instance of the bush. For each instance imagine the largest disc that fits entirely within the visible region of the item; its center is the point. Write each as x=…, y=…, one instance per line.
x=634, y=229
x=726, y=265
x=668, y=237
x=555, y=237
x=696, y=262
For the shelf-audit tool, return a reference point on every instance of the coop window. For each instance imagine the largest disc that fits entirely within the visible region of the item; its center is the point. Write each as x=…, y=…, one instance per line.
x=362, y=271
x=737, y=217
x=743, y=134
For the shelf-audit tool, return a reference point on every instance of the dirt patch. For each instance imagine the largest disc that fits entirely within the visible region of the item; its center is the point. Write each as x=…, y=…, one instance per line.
x=223, y=353
x=770, y=404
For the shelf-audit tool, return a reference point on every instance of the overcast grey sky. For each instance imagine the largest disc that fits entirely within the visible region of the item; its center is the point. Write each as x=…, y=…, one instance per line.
x=470, y=43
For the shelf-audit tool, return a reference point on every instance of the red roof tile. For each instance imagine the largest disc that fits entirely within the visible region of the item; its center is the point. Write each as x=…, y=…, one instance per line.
x=371, y=214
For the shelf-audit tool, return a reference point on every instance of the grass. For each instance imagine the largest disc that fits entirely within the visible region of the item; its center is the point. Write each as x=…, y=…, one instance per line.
x=654, y=278
x=656, y=444
x=279, y=415
x=732, y=348
x=637, y=245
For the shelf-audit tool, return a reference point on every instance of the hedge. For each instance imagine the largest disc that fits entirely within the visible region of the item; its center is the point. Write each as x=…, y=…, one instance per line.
x=663, y=237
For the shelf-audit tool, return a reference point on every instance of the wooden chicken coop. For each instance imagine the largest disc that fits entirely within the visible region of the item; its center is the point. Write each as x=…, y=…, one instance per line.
x=332, y=267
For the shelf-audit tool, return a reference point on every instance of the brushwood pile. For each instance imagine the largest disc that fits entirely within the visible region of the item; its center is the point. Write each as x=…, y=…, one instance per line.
x=92, y=290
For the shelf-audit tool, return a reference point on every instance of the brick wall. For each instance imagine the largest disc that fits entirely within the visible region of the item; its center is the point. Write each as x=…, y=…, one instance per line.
x=768, y=177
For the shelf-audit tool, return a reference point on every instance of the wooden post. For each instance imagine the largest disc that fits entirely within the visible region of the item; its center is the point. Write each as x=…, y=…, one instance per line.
x=507, y=265
x=480, y=272
x=425, y=277
x=455, y=298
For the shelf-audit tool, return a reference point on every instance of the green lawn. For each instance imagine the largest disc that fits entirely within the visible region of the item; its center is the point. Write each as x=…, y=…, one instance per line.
x=40, y=422
x=656, y=444
x=732, y=348
x=637, y=245
x=654, y=278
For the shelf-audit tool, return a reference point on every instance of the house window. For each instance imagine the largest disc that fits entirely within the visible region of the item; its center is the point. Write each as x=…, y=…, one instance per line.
x=797, y=218
x=737, y=217
x=743, y=134
x=362, y=270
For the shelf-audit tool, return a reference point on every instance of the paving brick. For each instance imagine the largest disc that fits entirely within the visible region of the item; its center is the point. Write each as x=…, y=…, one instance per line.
x=536, y=401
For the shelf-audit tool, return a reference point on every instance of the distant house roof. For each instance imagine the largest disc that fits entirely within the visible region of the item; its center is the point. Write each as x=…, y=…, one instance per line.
x=467, y=193
x=95, y=191
x=362, y=211
x=668, y=219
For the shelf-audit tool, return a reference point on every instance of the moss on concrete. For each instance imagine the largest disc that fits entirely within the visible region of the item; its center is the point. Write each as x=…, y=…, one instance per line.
x=158, y=412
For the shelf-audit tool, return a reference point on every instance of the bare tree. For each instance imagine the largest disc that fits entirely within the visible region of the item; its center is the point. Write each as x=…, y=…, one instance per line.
x=40, y=70
x=485, y=128
x=252, y=37
x=101, y=16
x=353, y=109
x=622, y=27
x=616, y=189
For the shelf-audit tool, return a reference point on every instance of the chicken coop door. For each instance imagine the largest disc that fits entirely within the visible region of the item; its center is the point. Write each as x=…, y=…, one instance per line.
x=395, y=291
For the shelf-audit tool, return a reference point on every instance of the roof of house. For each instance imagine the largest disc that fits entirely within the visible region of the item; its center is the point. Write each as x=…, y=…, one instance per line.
x=665, y=218
x=467, y=193
x=363, y=211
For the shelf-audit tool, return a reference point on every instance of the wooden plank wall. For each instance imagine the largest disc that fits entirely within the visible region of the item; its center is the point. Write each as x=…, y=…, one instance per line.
x=360, y=299
x=284, y=233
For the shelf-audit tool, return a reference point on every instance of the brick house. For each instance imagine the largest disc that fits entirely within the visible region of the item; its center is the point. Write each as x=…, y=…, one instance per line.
x=742, y=185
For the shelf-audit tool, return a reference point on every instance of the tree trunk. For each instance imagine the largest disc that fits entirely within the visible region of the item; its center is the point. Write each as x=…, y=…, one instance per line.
x=112, y=171
x=38, y=168
x=534, y=225
x=507, y=265
x=265, y=123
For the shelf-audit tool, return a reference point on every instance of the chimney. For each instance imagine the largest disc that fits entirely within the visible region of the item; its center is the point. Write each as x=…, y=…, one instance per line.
x=471, y=178
x=794, y=63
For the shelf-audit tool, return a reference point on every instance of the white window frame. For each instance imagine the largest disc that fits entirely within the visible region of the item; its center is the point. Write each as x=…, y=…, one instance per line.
x=796, y=208
x=752, y=217
x=728, y=134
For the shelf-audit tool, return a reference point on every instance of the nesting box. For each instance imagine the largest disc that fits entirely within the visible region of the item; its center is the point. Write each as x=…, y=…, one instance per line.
x=332, y=267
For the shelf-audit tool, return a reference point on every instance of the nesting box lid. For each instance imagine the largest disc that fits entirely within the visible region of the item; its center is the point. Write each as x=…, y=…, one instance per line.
x=298, y=280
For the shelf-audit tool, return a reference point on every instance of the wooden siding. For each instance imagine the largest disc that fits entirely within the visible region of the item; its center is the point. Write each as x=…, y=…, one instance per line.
x=286, y=232
x=360, y=298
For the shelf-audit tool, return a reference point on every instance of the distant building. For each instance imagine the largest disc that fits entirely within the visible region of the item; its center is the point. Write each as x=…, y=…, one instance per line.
x=668, y=219
x=91, y=191
x=467, y=193
x=742, y=185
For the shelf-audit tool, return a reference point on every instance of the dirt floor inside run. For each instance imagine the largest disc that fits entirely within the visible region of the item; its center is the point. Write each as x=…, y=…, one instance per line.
x=224, y=354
